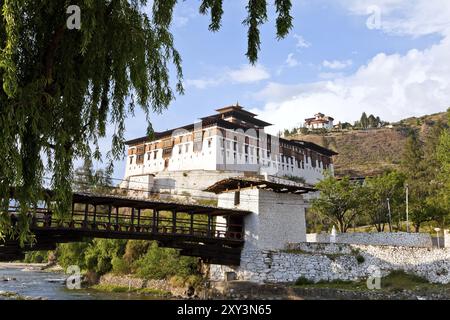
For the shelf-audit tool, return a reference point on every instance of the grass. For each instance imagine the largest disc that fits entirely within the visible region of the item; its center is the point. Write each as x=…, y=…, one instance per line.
x=400, y=280
x=394, y=282
x=335, y=284
x=8, y=294
x=120, y=289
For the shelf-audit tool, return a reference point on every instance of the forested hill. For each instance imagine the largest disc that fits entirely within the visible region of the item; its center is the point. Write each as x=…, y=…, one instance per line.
x=372, y=151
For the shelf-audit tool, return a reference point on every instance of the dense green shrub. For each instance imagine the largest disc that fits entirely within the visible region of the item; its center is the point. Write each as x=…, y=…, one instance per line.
x=100, y=253
x=302, y=281
x=36, y=257
x=72, y=254
x=360, y=259
x=142, y=258
x=135, y=249
x=120, y=266
x=163, y=263
x=93, y=255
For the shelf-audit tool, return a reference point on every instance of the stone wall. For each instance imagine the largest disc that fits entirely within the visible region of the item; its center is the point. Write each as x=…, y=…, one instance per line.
x=422, y=240
x=138, y=283
x=330, y=262
x=318, y=237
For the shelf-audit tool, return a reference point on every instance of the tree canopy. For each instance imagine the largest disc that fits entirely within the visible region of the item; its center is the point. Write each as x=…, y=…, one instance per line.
x=60, y=88
x=338, y=201
x=423, y=166
x=382, y=195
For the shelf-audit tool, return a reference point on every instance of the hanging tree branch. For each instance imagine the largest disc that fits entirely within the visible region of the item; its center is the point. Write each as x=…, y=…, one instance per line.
x=60, y=88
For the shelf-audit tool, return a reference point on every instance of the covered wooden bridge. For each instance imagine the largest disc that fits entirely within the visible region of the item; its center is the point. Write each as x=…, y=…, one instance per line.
x=191, y=228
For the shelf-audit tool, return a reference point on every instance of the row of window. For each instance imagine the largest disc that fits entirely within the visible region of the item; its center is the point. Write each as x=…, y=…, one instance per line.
x=300, y=164
x=185, y=148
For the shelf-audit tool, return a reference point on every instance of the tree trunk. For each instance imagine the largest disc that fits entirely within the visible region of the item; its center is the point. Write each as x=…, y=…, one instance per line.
x=417, y=227
x=341, y=226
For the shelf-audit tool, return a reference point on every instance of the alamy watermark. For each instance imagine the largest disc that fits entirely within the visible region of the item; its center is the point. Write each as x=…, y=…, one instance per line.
x=374, y=20
x=73, y=282
x=74, y=20
x=374, y=279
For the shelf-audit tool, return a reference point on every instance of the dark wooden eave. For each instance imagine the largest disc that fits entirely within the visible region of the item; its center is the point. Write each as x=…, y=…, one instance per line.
x=239, y=115
x=208, y=121
x=233, y=184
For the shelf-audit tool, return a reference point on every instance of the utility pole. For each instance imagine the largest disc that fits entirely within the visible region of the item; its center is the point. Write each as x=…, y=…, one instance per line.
x=390, y=216
x=407, y=209
x=437, y=236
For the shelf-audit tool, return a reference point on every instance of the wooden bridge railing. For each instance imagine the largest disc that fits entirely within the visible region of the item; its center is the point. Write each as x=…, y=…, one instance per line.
x=136, y=222
x=194, y=229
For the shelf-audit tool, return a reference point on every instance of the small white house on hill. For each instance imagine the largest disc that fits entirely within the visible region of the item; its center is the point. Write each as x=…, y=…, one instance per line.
x=320, y=121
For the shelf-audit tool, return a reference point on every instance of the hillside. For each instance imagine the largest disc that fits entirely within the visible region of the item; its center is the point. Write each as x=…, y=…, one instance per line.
x=369, y=152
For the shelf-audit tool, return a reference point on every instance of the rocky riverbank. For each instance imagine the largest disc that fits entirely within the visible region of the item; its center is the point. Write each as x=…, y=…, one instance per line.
x=49, y=267
x=138, y=285
x=17, y=265
x=243, y=290
x=7, y=295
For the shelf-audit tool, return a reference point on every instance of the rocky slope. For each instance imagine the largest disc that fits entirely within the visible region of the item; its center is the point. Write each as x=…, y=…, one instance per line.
x=370, y=152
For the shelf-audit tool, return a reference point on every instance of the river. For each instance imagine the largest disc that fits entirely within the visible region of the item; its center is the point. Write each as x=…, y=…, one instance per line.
x=33, y=283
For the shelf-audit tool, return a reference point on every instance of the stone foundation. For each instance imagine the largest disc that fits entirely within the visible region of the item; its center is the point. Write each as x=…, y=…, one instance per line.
x=138, y=283
x=328, y=262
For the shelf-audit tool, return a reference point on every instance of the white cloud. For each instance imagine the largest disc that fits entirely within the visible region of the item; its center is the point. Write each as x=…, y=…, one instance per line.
x=330, y=75
x=301, y=42
x=180, y=21
x=390, y=86
x=202, y=83
x=291, y=61
x=336, y=64
x=249, y=73
x=407, y=17
x=243, y=74
x=183, y=14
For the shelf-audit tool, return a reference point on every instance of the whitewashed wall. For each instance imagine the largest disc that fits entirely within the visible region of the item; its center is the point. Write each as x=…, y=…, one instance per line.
x=447, y=238
x=218, y=155
x=276, y=219
x=143, y=182
x=185, y=184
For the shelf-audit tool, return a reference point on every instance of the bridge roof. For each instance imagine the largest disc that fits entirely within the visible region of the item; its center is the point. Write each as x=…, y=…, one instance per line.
x=139, y=203
x=122, y=201
x=275, y=185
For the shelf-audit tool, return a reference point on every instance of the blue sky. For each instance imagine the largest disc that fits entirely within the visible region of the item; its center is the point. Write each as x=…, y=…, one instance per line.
x=331, y=62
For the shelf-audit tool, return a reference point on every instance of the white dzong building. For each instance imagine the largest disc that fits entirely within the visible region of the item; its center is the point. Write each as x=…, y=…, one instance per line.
x=231, y=143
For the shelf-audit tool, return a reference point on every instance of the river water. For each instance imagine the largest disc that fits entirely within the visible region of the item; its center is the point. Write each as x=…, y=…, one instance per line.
x=35, y=284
